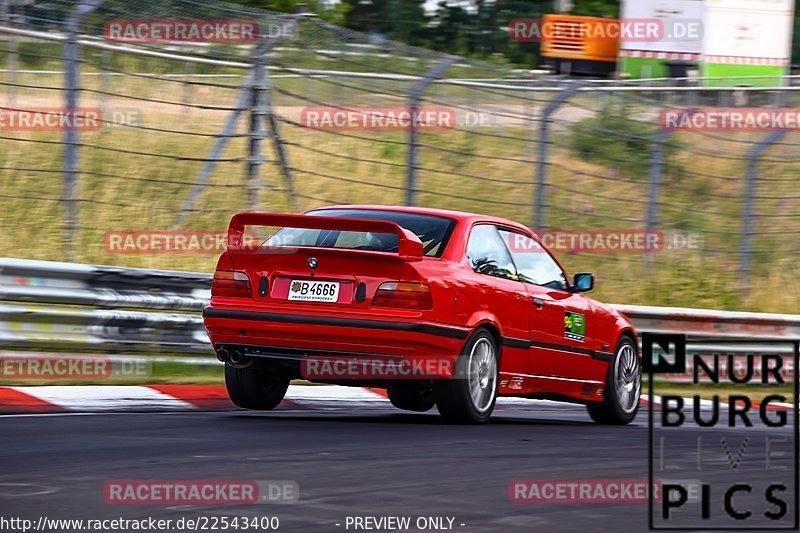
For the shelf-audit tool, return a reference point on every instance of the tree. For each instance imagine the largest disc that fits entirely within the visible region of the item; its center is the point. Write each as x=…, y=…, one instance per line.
x=468, y=27
x=333, y=12
x=597, y=8
x=400, y=20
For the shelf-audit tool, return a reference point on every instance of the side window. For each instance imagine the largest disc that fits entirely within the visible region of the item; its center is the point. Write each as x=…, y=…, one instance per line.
x=488, y=255
x=534, y=263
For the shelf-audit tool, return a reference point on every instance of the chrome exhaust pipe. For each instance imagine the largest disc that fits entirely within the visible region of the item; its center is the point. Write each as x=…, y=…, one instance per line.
x=236, y=357
x=223, y=355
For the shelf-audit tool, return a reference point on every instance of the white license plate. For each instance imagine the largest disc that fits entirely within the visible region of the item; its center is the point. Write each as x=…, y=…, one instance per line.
x=314, y=291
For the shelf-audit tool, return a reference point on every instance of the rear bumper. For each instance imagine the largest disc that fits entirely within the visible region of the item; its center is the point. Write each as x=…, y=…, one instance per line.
x=295, y=338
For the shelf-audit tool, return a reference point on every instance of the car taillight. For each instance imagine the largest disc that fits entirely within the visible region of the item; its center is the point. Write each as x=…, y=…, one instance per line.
x=231, y=284
x=405, y=295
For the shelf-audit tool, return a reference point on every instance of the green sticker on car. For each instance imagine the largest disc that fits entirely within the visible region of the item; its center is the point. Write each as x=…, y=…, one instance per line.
x=574, y=326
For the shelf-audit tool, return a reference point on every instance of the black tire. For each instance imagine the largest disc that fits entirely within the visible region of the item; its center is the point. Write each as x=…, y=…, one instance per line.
x=256, y=388
x=411, y=397
x=610, y=411
x=453, y=397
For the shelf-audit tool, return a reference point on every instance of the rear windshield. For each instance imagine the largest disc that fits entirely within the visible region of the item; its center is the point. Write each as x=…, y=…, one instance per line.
x=433, y=231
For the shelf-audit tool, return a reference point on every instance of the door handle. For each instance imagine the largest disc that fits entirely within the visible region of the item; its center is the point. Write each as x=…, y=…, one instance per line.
x=538, y=302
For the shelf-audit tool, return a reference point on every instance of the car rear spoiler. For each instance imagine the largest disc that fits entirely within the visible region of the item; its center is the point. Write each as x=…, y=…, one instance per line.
x=410, y=247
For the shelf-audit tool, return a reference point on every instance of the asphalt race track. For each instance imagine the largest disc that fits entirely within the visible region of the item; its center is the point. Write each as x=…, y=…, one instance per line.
x=366, y=462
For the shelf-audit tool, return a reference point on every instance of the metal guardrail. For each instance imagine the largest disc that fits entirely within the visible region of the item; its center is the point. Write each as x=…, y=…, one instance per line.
x=710, y=324
x=64, y=306
x=49, y=305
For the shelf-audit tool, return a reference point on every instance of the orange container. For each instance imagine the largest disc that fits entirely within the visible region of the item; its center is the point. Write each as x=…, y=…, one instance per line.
x=582, y=41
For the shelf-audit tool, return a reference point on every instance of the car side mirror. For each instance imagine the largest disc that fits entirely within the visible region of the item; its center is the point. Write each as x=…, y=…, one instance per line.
x=583, y=283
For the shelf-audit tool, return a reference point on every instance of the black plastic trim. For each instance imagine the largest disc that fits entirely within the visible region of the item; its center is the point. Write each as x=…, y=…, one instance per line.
x=522, y=343
x=428, y=329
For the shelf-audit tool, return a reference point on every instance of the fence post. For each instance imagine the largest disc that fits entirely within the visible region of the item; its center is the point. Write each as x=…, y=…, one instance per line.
x=71, y=138
x=280, y=152
x=217, y=150
x=289, y=29
x=255, y=133
x=188, y=87
x=748, y=215
x=414, y=99
x=105, y=63
x=540, y=201
x=656, y=170
x=262, y=114
x=246, y=99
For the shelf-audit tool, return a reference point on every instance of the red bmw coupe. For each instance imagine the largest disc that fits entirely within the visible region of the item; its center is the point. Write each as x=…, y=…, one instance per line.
x=440, y=308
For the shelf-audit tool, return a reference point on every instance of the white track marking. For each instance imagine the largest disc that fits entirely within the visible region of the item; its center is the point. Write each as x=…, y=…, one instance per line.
x=303, y=394
x=101, y=398
x=106, y=398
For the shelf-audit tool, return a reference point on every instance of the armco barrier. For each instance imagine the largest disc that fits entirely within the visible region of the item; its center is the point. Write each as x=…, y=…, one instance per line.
x=48, y=305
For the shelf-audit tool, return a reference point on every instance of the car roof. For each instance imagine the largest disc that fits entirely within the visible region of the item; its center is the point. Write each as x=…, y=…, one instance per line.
x=459, y=216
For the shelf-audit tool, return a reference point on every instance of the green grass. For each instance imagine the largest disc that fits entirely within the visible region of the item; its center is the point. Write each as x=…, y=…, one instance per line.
x=490, y=170
x=151, y=373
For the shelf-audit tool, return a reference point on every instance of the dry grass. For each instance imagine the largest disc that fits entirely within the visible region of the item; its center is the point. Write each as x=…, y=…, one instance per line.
x=489, y=169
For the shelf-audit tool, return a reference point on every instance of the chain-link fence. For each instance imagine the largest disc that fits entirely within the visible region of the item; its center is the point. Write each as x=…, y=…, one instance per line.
x=189, y=128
